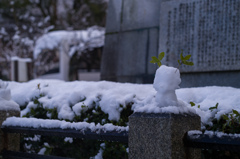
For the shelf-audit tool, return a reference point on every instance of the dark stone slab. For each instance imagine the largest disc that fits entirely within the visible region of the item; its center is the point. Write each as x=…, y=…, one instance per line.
x=138, y=14
x=132, y=38
x=152, y=50
x=131, y=53
x=110, y=57
x=126, y=56
x=114, y=16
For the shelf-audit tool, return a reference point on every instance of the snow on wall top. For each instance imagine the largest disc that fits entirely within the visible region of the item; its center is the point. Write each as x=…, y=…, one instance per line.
x=83, y=39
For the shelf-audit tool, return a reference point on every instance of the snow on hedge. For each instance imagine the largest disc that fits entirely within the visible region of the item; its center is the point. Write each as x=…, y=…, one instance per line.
x=110, y=96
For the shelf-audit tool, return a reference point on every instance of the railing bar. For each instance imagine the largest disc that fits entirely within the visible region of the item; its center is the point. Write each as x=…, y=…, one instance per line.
x=87, y=134
x=214, y=139
x=213, y=142
x=22, y=155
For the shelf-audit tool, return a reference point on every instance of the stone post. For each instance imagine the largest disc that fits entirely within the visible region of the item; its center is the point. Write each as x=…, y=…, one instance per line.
x=160, y=136
x=9, y=141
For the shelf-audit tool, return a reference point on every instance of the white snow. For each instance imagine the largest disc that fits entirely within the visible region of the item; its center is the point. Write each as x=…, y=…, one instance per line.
x=99, y=155
x=8, y=105
x=3, y=31
x=83, y=39
x=110, y=95
x=43, y=150
x=35, y=138
x=49, y=123
x=68, y=139
x=5, y=98
x=166, y=81
x=16, y=58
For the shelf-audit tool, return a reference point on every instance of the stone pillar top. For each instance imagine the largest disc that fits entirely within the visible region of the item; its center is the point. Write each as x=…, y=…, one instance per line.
x=160, y=135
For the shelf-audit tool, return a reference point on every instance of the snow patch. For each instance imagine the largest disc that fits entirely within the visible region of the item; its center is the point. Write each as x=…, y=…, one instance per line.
x=47, y=123
x=5, y=98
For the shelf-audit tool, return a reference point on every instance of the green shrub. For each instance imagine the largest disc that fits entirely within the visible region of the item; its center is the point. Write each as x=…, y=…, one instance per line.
x=79, y=148
x=227, y=123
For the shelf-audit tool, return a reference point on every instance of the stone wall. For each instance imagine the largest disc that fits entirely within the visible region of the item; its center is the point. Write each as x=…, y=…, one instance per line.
x=209, y=30
x=132, y=31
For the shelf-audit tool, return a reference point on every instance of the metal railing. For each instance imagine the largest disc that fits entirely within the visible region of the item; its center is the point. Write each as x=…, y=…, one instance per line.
x=213, y=141
x=202, y=141
x=114, y=136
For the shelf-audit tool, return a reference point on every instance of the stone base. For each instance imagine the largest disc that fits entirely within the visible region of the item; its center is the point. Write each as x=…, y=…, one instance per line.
x=9, y=141
x=161, y=135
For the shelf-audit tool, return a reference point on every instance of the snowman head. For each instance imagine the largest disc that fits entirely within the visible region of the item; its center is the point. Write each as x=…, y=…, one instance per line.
x=166, y=79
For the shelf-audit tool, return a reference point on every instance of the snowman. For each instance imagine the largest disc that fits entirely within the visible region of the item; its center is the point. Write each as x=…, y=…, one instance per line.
x=167, y=80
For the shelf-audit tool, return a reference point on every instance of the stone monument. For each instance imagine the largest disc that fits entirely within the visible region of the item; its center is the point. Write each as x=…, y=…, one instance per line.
x=207, y=29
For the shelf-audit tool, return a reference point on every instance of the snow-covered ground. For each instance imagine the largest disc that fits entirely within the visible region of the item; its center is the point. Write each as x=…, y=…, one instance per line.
x=110, y=95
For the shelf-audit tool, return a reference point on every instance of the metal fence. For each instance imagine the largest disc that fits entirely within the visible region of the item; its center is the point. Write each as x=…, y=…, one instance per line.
x=202, y=141
x=114, y=136
x=214, y=141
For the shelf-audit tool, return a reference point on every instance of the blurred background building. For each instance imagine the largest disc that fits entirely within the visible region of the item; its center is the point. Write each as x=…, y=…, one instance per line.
x=68, y=39
x=80, y=24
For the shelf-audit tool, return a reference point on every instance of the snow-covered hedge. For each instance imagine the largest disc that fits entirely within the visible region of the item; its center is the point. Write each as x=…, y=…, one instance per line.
x=109, y=102
x=70, y=99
